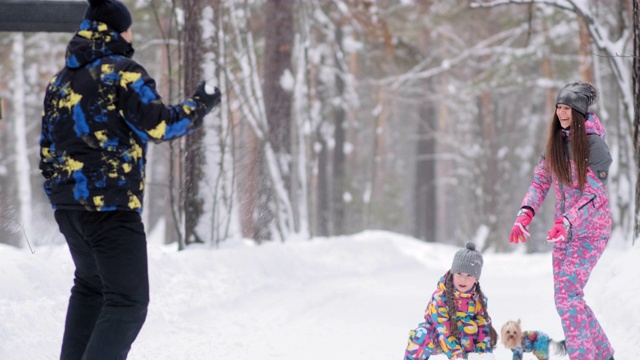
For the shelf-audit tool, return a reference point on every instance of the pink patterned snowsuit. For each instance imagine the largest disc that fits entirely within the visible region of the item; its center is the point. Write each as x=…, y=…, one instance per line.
x=573, y=259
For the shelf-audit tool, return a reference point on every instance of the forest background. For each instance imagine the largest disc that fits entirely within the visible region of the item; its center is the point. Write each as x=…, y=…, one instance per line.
x=420, y=117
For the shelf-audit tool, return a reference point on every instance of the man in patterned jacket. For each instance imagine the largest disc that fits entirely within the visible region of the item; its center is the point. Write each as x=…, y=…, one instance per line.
x=100, y=111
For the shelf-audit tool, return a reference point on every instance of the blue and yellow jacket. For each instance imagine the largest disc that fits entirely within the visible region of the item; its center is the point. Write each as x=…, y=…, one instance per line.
x=100, y=112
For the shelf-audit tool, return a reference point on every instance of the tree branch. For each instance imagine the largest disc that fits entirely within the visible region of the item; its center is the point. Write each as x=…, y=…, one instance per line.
x=489, y=4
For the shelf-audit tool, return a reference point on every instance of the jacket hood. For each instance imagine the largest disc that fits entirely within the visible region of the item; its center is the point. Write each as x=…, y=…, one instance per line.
x=592, y=125
x=93, y=41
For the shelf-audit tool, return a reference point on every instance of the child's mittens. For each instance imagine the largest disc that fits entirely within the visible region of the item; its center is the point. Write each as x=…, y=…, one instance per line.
x=520, y=231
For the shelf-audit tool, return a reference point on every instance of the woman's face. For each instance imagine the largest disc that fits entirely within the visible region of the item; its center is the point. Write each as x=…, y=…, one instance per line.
x=463, y=282
x=565, y=114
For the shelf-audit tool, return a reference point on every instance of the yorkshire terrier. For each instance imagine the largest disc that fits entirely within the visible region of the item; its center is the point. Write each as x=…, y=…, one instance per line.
x=535, y=342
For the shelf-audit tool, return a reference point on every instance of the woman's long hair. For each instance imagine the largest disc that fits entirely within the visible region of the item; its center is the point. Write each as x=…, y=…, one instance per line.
x=452, y=310
x=557, y=154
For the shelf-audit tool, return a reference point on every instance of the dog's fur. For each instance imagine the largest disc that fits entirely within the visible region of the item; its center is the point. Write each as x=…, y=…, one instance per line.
x=535, y=342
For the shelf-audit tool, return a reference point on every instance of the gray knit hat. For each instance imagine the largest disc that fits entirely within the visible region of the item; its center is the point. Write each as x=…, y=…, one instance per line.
x=579, y=95
x=468, y=261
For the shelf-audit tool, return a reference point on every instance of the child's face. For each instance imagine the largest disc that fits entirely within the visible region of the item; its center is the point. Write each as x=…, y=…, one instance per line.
x=463, y=281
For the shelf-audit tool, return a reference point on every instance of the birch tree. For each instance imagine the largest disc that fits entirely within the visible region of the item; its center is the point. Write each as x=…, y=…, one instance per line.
x=22, y=163
x=15, y=218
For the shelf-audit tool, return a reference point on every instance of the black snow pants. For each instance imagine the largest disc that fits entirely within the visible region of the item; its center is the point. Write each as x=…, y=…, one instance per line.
x=110, y=293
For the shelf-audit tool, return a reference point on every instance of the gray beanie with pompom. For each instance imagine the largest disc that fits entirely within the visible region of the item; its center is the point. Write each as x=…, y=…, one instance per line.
x=468, y=261
x=579, y=95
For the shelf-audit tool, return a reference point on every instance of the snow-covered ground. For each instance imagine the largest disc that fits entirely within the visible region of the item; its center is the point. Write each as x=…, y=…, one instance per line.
x=348, y=298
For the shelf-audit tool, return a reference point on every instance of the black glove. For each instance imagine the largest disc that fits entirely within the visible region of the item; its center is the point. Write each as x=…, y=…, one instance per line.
x=209, y=100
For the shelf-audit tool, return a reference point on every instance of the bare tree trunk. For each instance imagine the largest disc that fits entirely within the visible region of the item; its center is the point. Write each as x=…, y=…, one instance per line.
x=320, y=187
x=263, y=218
x=194, y=152
x=278, y=100
x=376, y=191
x=586, y=70
x=425, y=182
x=339, y=158
x=249, y=188
x=425, y=191
x=323, y=216
x=446, y=223
x=636, y=119
x=547, y=72
x=491, y=175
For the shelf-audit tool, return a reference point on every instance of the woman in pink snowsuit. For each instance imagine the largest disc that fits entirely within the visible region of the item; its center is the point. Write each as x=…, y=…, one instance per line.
x=576, y=164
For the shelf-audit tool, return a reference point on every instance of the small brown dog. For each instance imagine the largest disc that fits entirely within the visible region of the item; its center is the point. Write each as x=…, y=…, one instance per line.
x=535, y=342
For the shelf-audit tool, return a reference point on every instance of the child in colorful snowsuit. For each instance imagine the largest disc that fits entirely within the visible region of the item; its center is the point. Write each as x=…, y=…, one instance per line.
x=576, y=164
x=458, y=296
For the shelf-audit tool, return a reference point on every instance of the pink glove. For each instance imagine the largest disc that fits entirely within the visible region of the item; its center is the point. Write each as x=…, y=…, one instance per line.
x=520, y=231
x=559, y=230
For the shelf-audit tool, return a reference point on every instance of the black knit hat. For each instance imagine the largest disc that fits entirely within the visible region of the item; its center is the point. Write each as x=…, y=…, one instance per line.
x=579, y=95
x=468, y=261
x=111, y=12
